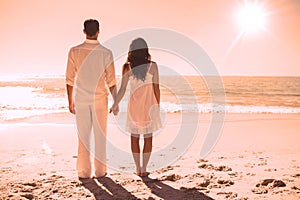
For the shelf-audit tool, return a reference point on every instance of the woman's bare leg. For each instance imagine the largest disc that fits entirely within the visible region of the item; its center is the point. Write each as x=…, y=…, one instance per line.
x=135, y=148
x=146, y=153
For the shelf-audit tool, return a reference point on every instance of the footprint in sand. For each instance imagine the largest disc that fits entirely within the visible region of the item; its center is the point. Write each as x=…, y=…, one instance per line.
x=165, y=169
x=233, y=174
x=267, y=184
x=270, y=170
x=27, y=196
x=205, y=183
x=230, y=195
x=249, y=165
x=263, y=162
x=193, y=176
x=32, y=184
x=171, y=177
x=206, y=166
x=296, y=188
x=296, y=175
x=221, y=168
x=259, y=191
x=42, y=174
x=201, y=160
x=5, y=170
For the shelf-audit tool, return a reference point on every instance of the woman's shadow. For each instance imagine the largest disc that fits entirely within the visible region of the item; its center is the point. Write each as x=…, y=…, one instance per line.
x=167, y=192
x=105, y=188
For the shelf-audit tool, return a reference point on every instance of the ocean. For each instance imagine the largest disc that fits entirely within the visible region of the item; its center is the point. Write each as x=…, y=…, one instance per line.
x=25, y=96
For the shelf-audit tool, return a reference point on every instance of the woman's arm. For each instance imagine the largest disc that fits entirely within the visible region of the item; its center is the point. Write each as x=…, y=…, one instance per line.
x=156, y=82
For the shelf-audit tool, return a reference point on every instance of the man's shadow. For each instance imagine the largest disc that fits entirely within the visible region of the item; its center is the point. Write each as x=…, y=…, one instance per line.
x=107, y=189
x=169, y=193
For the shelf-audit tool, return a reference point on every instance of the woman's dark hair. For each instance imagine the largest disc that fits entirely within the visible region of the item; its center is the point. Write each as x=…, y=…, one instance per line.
x=91, y=26
x=139, y=58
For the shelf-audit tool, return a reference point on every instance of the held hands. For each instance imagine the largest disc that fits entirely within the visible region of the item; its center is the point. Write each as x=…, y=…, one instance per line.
x=114, y=109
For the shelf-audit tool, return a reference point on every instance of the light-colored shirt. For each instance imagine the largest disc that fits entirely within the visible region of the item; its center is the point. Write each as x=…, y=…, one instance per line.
x=91, y=70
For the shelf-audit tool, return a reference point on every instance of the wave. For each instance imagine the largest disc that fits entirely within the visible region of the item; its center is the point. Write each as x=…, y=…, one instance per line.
x=167, y=107
x=257, y=94
x=211, y=108
x=9, y=114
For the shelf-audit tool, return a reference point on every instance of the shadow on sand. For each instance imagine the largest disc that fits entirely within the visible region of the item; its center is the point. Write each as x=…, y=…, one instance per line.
x=167, y=192
x=105, y=188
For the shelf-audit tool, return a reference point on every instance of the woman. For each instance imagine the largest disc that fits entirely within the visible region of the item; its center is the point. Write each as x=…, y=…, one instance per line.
x=143, y=106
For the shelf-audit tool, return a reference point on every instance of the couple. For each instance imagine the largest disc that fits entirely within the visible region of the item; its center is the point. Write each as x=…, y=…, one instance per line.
x=91, y=68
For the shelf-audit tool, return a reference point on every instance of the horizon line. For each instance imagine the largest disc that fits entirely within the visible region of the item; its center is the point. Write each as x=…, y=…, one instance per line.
x=119, y=75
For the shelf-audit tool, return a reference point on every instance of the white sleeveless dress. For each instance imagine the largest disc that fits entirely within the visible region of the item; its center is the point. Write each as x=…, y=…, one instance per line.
x=143, y=110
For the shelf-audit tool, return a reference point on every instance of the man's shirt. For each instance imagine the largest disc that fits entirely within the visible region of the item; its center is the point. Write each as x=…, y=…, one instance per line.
x=91, y=70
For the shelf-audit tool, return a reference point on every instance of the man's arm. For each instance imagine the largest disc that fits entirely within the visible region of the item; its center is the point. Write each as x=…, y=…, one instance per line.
x=113, y=91
x=124, y=82
x=122, y=90
x=111, y=75
x=70, y=77
x=111, y=79
x=70, y=98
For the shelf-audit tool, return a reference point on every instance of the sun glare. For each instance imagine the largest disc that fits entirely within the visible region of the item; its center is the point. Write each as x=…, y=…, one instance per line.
x=252, y=17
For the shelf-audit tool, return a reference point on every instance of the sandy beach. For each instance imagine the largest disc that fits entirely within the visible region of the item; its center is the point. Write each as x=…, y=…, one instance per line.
x=225, y=74
x=256, y=157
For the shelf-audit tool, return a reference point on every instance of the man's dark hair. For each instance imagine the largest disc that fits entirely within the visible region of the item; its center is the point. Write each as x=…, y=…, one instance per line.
x=91, y=26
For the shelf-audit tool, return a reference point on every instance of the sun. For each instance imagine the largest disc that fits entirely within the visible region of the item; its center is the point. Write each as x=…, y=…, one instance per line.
x=252, y=17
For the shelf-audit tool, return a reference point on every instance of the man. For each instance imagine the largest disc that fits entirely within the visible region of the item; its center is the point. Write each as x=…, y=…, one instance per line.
x=91, y=69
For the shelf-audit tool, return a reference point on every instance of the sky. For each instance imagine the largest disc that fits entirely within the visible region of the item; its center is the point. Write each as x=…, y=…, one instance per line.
x=36, y=35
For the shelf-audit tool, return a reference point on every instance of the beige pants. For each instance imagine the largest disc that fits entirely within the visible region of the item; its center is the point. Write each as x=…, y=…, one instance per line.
x=91, y=118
